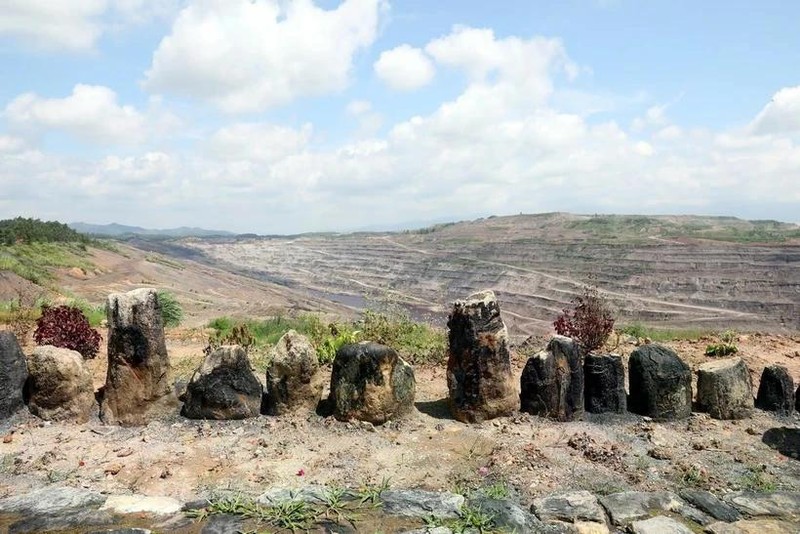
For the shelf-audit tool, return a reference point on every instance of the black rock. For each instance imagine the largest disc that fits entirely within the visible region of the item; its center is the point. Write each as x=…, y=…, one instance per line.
x=13, y=374
x=776, y=391
x=660, y=384
x=604, y=375
x=223, y=524
x=370, y=382
x=551, y=384
x=224, y=387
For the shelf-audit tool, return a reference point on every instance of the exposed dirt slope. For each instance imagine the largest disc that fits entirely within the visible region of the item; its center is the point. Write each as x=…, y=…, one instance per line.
x=203, y=291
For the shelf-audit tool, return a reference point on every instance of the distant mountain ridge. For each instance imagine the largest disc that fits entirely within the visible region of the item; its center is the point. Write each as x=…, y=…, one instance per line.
x=118, y=230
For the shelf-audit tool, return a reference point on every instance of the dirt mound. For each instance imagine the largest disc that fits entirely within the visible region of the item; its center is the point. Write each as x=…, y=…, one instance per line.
x=14, y=287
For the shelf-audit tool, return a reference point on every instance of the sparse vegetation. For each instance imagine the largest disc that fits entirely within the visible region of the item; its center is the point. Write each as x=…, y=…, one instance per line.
x=661, y=335
x=416, y=342
x=726, y=345
x=66, y=327
x=171, y=310
x=589, y=321
x=757, y=479
x=33, y=260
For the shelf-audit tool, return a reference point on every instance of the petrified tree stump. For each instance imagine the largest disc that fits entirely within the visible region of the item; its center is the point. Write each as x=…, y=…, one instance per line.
x=59, y=387
x=223, y=387
x=660, y=383
x=776, y=390
x=479, y=377
x=604, y=375
x=293, y=378
x=370, y=382
x=13, y=374
x=724, y=389
x=552, y=381
x=137, y=358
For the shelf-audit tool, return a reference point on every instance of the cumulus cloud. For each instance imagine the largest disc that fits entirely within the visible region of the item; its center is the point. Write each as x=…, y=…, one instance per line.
x=53, y=24
x=251, y=55
x=264, y=143
x=781, y=115
x=404, y=68
x=503, y=145
x=76, y=25
x=10, y=144
x=91, y=113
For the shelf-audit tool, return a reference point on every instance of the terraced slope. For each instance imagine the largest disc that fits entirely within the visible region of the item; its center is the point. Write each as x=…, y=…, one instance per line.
x=670, y=271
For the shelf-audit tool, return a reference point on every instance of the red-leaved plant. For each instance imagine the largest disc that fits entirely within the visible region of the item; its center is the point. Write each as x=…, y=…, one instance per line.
x=67, y=327
x=589, y=321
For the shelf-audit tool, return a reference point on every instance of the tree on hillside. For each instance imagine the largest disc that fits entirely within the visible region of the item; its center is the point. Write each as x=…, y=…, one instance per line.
x=28, y=230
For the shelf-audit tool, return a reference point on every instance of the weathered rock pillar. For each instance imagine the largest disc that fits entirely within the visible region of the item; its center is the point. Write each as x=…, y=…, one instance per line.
x=724, y=389
x=660, y=383
x=776, y=390
x=13, y=374
x=136, y=381
x=604, y=375
x=370, y=382
x=60, y=387
x=293, y=378
x=223, y=387
x=552, y=381
x=479, y=375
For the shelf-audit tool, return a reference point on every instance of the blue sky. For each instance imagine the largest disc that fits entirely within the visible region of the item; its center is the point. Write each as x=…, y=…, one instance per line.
x=290, y=116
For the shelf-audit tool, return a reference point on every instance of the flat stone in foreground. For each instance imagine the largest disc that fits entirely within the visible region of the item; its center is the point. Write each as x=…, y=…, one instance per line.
x=136, y=504
x=710, y=504
x=422, y=504
x=51, y=500
x=628, y=506
x=659, y=525
x=753, y=526
x=784, y=504
x=569, y=507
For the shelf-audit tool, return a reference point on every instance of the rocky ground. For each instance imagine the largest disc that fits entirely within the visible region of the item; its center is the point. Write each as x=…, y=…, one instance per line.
x=521, y=456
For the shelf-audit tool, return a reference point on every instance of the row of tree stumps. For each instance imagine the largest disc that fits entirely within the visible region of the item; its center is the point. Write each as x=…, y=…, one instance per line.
x=562, y=383
x=370, y=382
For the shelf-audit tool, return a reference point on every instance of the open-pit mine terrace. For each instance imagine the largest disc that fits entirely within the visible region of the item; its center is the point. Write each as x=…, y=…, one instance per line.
x=667, y=271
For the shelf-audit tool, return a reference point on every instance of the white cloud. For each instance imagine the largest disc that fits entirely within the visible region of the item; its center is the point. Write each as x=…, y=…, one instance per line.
x=369, y=121
x=90, y=113
x=251, y=55
x=781, y=115
x=526, y=63
x=53, y=24
x=359, y=107
x=76, y=25
x=263, y=143
x=505, y=144
x=10, y=144
x=404, y=68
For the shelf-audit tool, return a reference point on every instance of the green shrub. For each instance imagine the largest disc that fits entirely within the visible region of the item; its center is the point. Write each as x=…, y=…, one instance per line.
x=721, y=349
x=171, y=311
x=415, y=342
